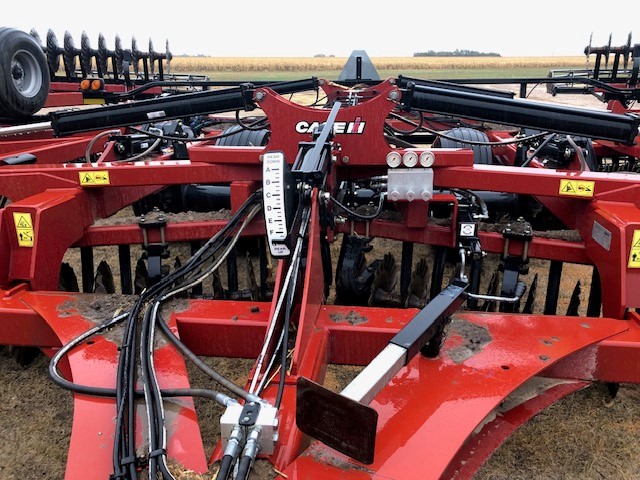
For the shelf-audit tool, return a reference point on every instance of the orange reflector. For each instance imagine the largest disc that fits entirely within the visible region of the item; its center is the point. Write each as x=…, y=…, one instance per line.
x=97, y=85
x=85, y=84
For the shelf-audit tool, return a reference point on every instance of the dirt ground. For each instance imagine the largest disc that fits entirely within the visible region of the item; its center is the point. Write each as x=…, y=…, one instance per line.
x=585, y=436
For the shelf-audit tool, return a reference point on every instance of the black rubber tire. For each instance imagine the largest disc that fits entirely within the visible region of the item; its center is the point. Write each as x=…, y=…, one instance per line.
x=482, y=154
x=24, y=74
x=243, y=138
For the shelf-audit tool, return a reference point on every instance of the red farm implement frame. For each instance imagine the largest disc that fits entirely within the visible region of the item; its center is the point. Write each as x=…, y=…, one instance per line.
x=361, y=164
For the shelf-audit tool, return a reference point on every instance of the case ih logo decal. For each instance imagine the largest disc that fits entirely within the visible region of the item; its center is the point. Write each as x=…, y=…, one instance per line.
x=355, y=127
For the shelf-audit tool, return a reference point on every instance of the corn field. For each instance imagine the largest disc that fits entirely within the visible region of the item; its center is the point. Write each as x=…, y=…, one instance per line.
x=296, y=64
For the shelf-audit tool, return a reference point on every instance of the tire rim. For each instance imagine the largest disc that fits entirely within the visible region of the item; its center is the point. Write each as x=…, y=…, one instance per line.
x=26, y=74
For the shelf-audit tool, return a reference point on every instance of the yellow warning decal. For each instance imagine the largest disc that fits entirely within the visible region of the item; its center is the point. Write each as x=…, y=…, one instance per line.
x=577, y=188
x=90, y=179
x=24, y=228
x=634, y=254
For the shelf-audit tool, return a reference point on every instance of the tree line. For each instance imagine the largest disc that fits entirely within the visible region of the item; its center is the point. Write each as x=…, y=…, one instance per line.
x=456, y=53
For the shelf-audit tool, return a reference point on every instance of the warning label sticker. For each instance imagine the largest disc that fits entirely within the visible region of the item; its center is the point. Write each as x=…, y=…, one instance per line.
x=91, y=179
x=577, y=188
x=24, y=228
x=634, y=254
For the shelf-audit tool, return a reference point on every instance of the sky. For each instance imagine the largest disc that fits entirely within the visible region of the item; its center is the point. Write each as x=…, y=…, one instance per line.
x=251, y=28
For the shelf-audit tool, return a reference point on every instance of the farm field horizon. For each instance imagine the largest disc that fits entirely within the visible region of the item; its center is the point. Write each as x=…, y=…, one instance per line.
x=285, y=68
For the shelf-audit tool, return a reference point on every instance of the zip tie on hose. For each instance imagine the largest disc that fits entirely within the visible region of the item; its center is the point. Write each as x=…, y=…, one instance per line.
x=157, y=452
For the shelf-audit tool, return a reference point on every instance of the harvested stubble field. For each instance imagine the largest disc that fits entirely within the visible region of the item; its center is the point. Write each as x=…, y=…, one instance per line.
x=585, y=436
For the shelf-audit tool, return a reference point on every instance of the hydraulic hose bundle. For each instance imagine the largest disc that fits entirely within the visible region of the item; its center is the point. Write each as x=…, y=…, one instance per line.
x=138, y=343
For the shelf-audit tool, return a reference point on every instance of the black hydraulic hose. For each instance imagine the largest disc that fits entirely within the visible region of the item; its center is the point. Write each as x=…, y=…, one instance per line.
x=579, y=153
x=490, y=144
x=283, y=361
x=253, y=126
x=204, y=252
x=537, y=150
x=157, y=451
x=125, y=390
x=247, y=126
x=291, y=292
x=124, y=441
x=62, y=382
x=130, y=385
x=229, y=385
x=355, y=214
x=149, y=392
x=244, y=468
x=200, y=275
x=398, y=142
x=226, y=465
x=153, y=398
x=124, y=454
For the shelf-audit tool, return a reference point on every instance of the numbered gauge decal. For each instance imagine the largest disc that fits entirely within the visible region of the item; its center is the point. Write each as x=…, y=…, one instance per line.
x=275, y=180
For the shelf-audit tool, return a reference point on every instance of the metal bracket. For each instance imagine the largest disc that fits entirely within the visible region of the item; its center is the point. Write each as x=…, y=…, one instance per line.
x=154, y=252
